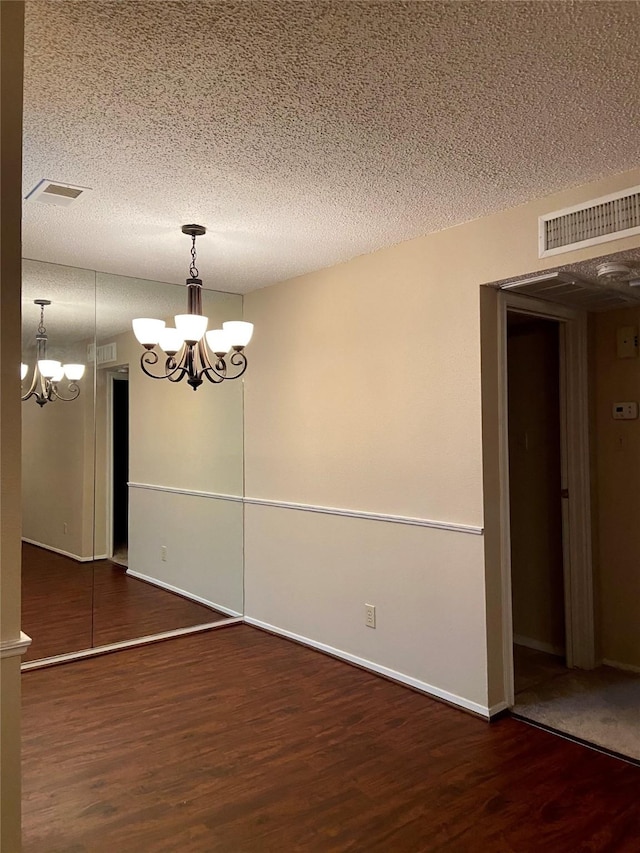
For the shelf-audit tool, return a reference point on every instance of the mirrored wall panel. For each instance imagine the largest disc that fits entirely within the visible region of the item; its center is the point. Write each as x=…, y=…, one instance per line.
x=58, y=325
x=133, y=500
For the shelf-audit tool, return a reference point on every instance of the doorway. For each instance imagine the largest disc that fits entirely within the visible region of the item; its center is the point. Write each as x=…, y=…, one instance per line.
x=119, y=457
x=566, y=329
x=572, y=691
x=535, y=498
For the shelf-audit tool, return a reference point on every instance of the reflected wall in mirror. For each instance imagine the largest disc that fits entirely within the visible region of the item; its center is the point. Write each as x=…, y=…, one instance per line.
x=57, y=465
x=139, y=491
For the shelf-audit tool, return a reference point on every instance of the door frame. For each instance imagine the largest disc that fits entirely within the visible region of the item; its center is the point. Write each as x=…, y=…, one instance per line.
x=575, y=477
x=113, y=375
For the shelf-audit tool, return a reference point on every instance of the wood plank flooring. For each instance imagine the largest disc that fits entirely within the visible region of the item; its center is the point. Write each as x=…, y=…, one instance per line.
x=240, y=742
x=68, y=606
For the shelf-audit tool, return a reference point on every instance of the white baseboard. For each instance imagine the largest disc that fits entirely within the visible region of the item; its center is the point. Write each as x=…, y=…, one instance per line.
x=183, y=592
x=41, y=663
x=627, y=667
x=422, y=686
x=538, y=645
x=60, y=551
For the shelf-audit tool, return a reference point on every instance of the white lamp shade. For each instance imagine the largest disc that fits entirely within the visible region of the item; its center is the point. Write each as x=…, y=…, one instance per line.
x=73, y=372
x=191, y=326
x=219, y=341
x=49, y=368
x=239, y=332
x=58, y=375
x=170, y=340
x=24, y=369
x=147, y=331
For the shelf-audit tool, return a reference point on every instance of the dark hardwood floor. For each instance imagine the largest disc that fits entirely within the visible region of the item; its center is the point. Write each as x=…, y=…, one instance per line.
x=68, y=606
x=241, y=742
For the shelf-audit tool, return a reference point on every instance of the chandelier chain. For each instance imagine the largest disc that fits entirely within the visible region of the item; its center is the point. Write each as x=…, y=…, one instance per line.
x=41, y=327
x=193, y=269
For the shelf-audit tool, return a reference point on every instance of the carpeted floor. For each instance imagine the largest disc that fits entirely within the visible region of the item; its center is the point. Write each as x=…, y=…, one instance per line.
x=600, y=706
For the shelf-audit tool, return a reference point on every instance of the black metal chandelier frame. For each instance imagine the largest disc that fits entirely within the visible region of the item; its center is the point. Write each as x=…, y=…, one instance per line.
x=192, y=361
x=46, y=390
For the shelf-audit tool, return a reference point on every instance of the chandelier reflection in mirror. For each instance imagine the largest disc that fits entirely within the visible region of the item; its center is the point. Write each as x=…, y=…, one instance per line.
x=186, y=353
x=48, y=373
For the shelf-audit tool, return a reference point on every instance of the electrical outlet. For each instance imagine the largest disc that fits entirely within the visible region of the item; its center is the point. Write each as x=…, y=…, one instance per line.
x=163, y=553
x=370, y=615
x=65, y=528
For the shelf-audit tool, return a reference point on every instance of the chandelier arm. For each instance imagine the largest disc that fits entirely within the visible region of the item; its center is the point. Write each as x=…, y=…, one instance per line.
x=212, y=375
x=54, y=393
x=176, y=376
x=32, y=388
x=220, y=371
x=238, y=359
x=150, y=357
x=210, y=370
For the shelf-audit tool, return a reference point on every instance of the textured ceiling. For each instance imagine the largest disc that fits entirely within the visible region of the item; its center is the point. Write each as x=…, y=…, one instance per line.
x=303, y=134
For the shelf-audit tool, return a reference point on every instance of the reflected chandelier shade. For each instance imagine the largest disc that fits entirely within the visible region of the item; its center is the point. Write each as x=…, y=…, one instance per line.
x=187, y=354
x=48, y=373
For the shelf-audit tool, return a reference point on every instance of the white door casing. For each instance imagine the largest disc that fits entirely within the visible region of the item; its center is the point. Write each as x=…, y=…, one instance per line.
x=575, y=479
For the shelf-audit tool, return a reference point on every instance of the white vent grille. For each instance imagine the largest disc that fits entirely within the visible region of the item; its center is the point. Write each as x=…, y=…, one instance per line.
x=107, y=353
x=567, y=289
x=598, y=221
x=56, y=193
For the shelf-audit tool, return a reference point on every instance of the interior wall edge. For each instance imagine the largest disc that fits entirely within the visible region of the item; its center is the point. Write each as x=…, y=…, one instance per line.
x=11, y=86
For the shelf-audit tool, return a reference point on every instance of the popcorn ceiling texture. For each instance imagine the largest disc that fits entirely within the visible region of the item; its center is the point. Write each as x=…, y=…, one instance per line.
x=303, y=134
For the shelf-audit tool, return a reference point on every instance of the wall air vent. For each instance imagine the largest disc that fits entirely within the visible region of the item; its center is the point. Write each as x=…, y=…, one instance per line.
x=106, y=354
x=56, y=193
x=597, y=221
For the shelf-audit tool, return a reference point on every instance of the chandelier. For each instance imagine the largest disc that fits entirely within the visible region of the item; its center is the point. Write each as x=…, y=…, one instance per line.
x=186, y=353
x=48, y=373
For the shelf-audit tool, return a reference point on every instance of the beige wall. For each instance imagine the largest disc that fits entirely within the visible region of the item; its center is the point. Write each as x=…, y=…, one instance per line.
x=618, y=475
x=364, y=393
x=537, y=579
x=11, y=45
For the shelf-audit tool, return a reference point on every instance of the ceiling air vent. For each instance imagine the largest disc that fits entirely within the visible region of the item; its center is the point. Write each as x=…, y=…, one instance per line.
x=56, y=193
x=567, y=289
x=597, y=221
